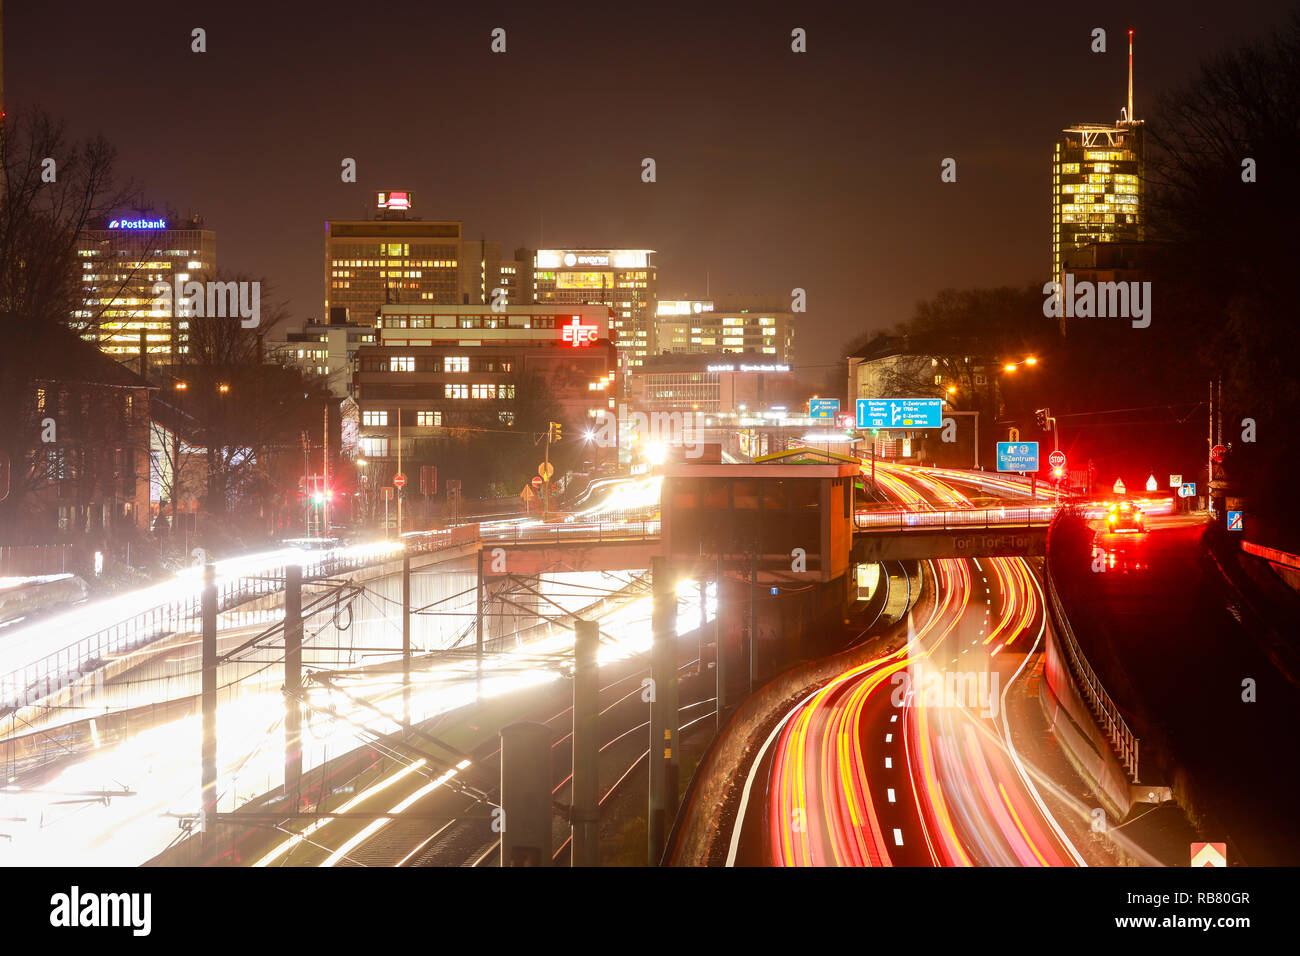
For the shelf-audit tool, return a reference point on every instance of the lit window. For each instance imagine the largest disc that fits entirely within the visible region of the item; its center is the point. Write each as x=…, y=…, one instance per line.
x=427, y=419
x=456, y=363
x=484, y=391
x=456, y=391
x=374, y=447
x=371, y=417
x=401, y=363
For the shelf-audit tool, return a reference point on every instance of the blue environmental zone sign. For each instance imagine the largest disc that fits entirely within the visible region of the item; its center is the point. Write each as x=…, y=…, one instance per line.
x=1017, y=456
x=900, y=413
x=823, y=407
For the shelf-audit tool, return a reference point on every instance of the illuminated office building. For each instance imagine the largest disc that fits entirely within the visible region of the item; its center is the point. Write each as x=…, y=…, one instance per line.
x=392, y=259
x=1097, y=187
x=622, y=279
x=754, y=324
x=119, y=263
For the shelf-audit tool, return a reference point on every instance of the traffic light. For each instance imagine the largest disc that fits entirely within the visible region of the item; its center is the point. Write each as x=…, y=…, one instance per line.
x=1040, y=418
x=553, y=431
x=1058, y=472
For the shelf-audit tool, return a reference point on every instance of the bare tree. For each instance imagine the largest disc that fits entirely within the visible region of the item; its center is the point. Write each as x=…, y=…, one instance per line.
x=51, y=188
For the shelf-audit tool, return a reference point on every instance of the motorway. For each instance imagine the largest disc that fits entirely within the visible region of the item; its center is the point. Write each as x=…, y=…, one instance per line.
x=907, y=759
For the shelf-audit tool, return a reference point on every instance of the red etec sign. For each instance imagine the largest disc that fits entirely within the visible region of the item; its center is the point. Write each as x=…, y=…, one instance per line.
x=577, y=334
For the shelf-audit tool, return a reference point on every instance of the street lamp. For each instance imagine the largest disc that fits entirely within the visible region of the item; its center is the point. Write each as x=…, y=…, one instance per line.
x=1012, y=366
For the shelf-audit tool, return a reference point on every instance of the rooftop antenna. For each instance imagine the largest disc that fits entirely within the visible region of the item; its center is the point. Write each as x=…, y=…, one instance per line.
x=1131, y=117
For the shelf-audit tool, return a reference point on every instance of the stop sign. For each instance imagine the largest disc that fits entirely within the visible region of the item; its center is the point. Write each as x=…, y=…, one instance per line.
x=1056, y=459
x=399, y=480
x=1218, y=452
x=537, y=481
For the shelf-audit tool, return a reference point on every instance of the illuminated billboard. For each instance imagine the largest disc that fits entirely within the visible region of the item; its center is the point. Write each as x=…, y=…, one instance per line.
x=600, y=258
x=684, y=306
x=577, y=334
x=138, y=224
x=394, y=199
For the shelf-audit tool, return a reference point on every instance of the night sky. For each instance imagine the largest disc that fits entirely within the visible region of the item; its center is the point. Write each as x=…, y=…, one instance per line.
x=775, y=169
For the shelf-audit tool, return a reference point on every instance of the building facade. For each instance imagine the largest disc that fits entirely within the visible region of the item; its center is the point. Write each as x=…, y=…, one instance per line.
x=437, y=368
x=324, y=349
x=711, y=384
x=622, y=279
x=391, y=259
x=119, y=264
x=1098, y=185
x=732, y=324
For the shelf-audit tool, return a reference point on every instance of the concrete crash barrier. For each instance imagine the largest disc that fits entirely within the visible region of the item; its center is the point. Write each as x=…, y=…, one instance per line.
x=1075, y=729
x=1285, y=565
x=20, y=597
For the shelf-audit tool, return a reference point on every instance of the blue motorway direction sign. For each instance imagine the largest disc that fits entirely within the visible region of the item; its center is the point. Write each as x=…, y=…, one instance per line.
x=1187, y=489
x=823, y=407
x=1017, y=456
x=900, y=413
x=1234, y=520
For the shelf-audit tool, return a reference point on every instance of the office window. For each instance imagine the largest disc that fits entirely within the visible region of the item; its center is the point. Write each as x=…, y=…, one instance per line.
x=401, y=363
x=428, y=419
x=456, y=363
x=371, y=417
x=456, y=391
x=374, y=447
x=484, y=391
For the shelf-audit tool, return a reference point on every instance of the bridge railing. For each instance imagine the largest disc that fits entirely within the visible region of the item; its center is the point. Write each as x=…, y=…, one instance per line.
x=561, y=533
x=1125, y=743
x=966, y=518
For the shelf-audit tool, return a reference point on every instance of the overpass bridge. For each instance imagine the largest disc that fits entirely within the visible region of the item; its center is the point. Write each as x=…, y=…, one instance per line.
x=962, y=533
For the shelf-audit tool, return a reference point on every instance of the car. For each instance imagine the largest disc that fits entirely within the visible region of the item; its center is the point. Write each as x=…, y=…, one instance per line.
x=1124, y=516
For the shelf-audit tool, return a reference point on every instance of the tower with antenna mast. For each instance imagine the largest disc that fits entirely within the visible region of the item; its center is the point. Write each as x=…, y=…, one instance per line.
x=1098, y=192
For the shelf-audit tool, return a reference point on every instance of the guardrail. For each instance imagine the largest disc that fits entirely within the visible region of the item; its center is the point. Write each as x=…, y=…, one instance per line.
x=1039, y=516
x=1122, y=739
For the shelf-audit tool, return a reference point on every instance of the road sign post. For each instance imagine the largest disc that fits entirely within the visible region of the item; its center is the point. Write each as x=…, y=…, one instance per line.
x=900, y=413
x=1019, y=456
x=823, y=407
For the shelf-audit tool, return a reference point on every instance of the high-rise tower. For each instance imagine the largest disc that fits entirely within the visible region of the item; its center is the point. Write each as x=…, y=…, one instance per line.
x=1098, y=184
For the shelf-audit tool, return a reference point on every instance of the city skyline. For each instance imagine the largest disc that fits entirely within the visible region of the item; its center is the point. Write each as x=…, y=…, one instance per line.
x=533, y=185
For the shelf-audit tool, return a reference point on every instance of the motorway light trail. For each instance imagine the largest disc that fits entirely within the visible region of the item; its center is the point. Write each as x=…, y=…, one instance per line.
x=834, y=794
